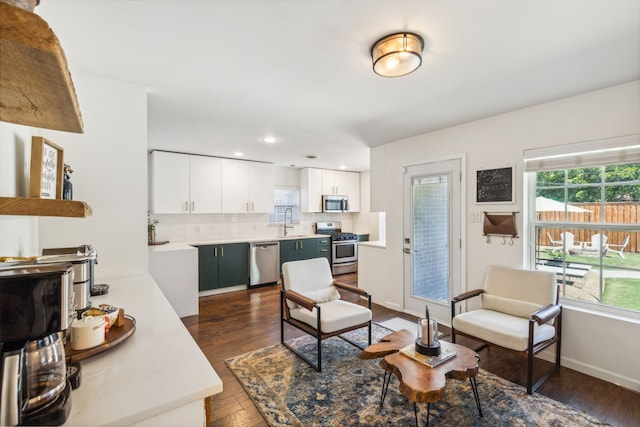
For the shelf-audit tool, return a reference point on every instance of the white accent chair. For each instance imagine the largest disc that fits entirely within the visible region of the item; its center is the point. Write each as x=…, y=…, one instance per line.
x=618, y=249
x=519, y=312
x=310, y=301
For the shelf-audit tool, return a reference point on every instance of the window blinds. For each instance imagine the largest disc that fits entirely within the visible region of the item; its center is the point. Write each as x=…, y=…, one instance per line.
x=602, y=152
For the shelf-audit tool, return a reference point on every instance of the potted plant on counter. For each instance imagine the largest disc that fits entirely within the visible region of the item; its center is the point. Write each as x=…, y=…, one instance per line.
x=151, y=228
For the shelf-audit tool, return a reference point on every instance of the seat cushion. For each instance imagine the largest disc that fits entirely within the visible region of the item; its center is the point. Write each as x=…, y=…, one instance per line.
x=335, y=315
x=501, y=329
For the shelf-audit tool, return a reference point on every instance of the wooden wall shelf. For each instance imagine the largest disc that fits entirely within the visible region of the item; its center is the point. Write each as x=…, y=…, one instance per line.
x=44, y=207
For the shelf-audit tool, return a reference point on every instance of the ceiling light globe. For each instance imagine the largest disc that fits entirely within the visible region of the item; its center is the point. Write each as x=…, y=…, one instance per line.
x=397, y=54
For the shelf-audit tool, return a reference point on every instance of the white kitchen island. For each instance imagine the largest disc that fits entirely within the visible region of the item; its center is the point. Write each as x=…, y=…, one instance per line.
x=158, y=377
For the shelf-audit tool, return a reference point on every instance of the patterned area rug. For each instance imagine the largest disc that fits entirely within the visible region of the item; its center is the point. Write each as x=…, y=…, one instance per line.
x=288, y=392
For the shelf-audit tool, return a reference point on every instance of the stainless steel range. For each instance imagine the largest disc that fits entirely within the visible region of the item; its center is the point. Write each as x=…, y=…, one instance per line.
x=344, y=247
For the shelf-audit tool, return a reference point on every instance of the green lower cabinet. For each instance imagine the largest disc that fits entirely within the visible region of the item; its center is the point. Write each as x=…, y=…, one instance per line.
x=324, y=248
x=295, y=250
x=221, y=266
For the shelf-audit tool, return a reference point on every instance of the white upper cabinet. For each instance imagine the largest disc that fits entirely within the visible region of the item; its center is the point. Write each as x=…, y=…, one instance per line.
x=206, y=184
x=352, y=190
x=183, y=183
x=169, y=183
x=311, y=190
x=314, y=183
x=247, y=187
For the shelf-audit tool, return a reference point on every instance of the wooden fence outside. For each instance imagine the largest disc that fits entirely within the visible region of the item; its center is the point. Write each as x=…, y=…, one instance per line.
x=614, y=213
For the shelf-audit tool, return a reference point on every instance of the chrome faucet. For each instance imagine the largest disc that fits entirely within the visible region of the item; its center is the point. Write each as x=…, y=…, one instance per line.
x=285, y=226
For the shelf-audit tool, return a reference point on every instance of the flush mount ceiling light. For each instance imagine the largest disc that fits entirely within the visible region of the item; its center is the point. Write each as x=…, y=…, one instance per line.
x=269, y=139
x=397, y=54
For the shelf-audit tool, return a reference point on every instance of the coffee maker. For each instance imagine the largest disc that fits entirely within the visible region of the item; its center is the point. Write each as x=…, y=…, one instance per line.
x=36, y=307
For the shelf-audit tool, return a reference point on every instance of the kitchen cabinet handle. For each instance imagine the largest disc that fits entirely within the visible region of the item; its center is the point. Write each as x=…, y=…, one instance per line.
x=300, y=244
x=215, y=252
x=193, y=206
x=252, y=207
x=186, y=206
x=222, y=251
x=324, y=250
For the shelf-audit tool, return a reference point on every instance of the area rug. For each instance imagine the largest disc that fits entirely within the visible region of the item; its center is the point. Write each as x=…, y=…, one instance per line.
x=288, y=392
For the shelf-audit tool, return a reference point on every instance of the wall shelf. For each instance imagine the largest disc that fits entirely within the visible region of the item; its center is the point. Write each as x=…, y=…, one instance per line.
x=44, y=207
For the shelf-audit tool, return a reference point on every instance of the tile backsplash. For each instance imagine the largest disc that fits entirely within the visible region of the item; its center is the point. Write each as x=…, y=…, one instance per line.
x=205, y=227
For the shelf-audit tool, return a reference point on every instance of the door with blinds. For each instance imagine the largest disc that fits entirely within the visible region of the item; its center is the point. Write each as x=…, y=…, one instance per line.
x=432, y=245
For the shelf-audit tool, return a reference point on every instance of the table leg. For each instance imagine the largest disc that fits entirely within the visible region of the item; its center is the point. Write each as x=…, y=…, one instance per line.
x=474, y=387
x=415, y=412
x=385, y=387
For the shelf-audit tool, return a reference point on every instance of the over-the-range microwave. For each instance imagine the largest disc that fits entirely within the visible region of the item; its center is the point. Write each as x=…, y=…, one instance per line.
x=332, y=203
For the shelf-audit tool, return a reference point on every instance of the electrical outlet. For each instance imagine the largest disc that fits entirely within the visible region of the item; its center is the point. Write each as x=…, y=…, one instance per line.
x=475, y=216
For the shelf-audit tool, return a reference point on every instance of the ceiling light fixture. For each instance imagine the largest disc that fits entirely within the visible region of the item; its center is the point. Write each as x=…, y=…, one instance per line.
x=238, y=154
x=397, y=54
x=270, y=139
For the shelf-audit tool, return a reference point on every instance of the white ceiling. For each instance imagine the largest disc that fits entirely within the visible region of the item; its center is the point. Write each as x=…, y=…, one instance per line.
x=223, y=74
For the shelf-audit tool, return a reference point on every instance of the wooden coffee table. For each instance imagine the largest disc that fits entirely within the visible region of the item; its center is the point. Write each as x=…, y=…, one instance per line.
x=418, y=382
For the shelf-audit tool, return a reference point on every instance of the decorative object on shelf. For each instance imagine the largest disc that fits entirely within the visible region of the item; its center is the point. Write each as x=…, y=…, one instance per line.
x=151, y=228
x=427, y=342
x=67, y=187
x=397, y=54
x=45, y=179
x=495, y=185
x=501, y=224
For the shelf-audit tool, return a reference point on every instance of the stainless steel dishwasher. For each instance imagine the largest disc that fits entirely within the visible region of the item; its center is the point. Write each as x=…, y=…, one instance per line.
x=264, y=263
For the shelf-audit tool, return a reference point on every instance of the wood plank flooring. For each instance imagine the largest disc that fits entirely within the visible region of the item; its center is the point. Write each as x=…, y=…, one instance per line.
x=234, y=323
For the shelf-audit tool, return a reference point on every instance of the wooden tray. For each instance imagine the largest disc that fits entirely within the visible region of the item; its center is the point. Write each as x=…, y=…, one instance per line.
x=115, y=336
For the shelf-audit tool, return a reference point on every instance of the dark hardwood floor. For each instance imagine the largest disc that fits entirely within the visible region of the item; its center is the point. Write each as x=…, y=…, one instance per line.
x=234, y=323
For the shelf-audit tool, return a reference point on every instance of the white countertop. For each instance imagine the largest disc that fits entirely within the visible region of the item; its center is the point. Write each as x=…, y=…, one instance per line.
x=374, y=244
x=158, y=369
x=187, y=245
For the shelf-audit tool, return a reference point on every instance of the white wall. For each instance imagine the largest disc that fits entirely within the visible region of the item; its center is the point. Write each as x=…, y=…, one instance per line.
x=110, y=165
x=496, y=142
x=18, y=234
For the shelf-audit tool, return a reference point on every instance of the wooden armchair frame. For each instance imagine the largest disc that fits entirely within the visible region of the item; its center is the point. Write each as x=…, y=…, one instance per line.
x=310, y=304
x=551, y=312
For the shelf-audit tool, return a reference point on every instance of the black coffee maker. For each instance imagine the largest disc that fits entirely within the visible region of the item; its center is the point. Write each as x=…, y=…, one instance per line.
x=36, y=306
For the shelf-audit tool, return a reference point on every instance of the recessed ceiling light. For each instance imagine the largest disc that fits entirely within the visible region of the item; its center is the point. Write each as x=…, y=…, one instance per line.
x=238, y=154
x=342, y=167
x=270, y=139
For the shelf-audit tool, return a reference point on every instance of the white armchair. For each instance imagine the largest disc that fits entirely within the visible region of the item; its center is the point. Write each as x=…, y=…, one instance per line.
x=310, y=301
x=519, y=312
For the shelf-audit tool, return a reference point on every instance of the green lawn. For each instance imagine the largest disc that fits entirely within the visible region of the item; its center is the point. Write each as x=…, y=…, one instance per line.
x=623, y=293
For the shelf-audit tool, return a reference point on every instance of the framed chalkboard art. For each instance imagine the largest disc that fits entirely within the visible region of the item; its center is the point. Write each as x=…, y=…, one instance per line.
x=495, y=185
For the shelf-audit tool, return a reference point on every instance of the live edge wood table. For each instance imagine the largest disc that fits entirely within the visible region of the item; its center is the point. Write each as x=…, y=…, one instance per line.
x=418, y=382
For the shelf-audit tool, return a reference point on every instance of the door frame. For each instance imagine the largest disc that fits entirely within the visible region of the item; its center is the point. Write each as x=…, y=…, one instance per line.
x=441, y=317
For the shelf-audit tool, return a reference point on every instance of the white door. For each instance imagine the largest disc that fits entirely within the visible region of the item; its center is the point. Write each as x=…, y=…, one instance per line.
x=432, y=242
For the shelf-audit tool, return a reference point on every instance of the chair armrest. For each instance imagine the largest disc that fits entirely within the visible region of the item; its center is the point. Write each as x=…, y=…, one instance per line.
x=350, y=288
x=300, y=299
x=467, y=295
x=546, y=313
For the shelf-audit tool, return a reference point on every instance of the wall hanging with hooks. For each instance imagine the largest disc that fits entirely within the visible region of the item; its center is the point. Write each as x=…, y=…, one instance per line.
x=500, y=224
